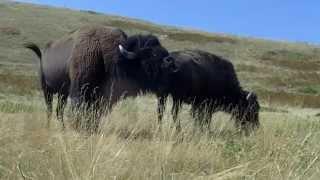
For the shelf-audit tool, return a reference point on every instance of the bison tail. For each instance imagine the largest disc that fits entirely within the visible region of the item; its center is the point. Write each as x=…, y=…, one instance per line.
x=34, y=48
x=37, y=51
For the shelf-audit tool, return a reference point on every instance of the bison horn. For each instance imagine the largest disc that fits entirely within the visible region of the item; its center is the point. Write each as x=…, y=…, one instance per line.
x=249, y=95
x=126, y=53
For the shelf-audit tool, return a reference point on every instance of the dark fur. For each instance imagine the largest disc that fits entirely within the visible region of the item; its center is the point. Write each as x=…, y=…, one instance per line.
x=100, y=75
x=209, y=83
x=88, y=65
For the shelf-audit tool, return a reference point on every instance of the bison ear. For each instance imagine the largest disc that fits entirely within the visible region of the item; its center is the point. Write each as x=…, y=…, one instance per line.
x=169, y=63
x=174, y=68
x=127, y=54
x=251, y=97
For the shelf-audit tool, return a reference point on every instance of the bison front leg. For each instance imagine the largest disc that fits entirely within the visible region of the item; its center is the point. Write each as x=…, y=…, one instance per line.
x=161, y=107
x=76, y=104
x=175, y=111
x=210, y=109
x=48, y=97
x=198, y=112
x=202, y=118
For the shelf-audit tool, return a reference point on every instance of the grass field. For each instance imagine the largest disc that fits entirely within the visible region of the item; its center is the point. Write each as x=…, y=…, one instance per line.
x=284, y=75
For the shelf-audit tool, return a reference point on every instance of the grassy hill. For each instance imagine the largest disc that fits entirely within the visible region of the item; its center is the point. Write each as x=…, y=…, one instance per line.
x=286, y=73
x=285, y=76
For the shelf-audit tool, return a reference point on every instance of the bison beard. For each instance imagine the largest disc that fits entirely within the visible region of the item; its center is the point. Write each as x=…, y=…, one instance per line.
x=209, y=83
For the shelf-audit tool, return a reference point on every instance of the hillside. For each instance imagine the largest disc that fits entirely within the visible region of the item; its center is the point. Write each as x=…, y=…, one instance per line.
x=284, y=75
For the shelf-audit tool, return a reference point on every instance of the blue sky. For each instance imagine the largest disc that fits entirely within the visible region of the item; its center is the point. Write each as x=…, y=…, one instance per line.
x=289, y=20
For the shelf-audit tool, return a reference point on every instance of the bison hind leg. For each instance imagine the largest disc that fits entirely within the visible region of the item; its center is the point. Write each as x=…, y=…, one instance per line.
x=48, y=97
x=62, y=101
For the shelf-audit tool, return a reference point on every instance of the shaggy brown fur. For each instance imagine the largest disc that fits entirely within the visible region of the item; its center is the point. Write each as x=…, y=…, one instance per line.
x=95, y=50
x=97, y=65
x=100, y=73
x=76, y=58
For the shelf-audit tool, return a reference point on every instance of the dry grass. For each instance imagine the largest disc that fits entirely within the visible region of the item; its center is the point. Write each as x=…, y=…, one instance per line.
x=200, y=38
x=18, y=84
x=10, y=31
x=131, y=147
x=285, y=76
x=290, y=99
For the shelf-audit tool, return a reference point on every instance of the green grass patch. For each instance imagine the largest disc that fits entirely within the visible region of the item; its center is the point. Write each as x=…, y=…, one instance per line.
x=285, y=54
x=14, y=107
x=123, y=24
x=18, y=84
x=312, y=90
x=289, y=98
x=200, y=38
x=8, y=30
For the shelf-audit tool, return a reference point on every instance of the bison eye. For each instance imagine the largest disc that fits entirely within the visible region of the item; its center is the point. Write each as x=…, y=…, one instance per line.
x=168, y=59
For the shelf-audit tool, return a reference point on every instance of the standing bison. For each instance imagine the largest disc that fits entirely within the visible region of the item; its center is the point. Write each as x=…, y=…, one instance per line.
x=103, y=70
x=209, y=83
x=56, y=59
x=97, y=66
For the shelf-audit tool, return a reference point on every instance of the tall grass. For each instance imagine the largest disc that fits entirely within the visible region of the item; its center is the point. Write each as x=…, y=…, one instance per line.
x=131, y=146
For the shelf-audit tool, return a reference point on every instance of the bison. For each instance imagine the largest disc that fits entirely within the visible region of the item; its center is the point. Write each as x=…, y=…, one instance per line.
x=209, y=83
x=102, y=72
x=55, y=63
x=96, y=66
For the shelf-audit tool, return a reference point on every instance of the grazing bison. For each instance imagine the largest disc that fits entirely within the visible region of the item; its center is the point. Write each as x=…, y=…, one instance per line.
x=97, y=66
x=209, y=83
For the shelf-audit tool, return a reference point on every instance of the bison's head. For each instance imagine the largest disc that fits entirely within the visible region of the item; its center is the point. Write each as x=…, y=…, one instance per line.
x=250, y=110
x=169, y=70
x=142, y=56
